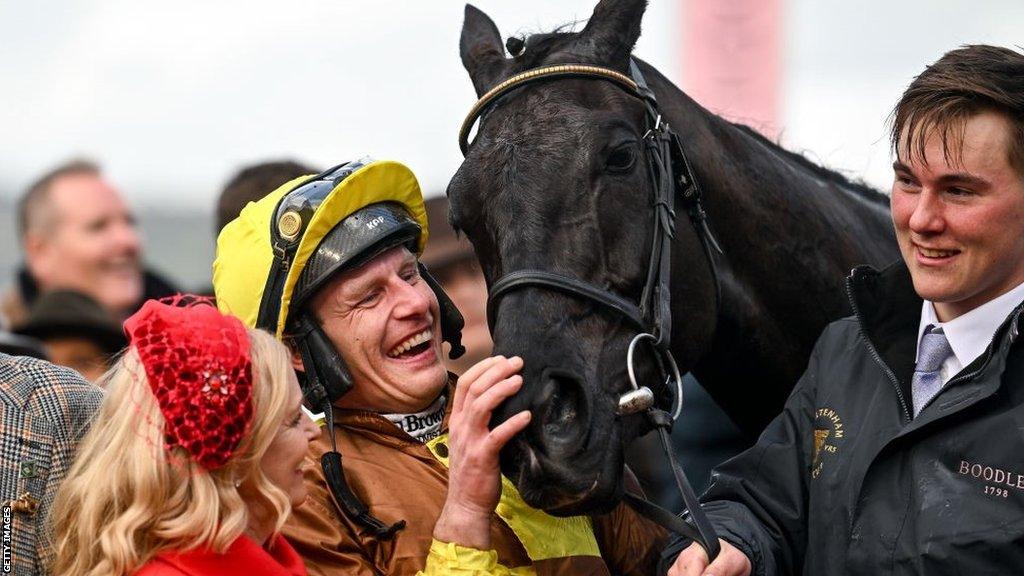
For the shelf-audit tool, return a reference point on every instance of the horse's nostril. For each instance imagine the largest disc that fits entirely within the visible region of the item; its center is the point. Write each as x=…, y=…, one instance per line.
x=563, y=412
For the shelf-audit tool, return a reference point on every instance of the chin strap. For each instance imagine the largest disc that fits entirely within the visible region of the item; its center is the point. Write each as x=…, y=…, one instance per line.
x=347, y=502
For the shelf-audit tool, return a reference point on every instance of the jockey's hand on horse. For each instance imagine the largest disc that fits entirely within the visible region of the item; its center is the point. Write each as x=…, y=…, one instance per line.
x=474, y=478
x=694, y=562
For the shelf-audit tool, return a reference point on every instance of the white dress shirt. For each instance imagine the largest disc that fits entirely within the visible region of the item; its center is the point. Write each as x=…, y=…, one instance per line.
x=969, y=334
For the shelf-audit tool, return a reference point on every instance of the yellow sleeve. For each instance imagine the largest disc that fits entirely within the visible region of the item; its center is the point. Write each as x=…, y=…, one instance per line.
x=448, y=558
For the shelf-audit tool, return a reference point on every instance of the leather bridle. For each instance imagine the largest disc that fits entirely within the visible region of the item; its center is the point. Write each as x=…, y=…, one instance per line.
x=672, y=178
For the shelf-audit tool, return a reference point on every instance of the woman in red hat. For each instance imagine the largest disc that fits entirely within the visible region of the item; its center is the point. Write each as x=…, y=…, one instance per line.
x=196, y=457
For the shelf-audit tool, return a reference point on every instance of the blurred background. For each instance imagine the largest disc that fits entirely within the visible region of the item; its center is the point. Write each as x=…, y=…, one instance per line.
x=172, y=98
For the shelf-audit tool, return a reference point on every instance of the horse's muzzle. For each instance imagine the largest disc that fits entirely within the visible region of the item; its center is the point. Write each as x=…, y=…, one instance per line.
x=560, y=463
x=562, y=412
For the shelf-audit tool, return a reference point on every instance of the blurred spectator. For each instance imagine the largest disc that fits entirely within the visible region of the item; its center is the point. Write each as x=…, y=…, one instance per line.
x=18, y=345
x=450, y=259
x=46, y=410
x=75, y=331
x=195, y=460
x=78, y=234
x=254, y=182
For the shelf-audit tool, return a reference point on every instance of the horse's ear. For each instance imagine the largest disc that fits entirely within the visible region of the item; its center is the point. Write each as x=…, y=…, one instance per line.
x=481, y=49
x=612, y=31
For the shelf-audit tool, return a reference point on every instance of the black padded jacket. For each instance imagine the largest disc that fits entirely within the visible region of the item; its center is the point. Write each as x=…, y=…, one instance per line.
x=845, y=481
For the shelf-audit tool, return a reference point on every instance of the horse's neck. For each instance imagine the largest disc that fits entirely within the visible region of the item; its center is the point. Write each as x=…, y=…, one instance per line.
x=770, y=205
x=789, y=233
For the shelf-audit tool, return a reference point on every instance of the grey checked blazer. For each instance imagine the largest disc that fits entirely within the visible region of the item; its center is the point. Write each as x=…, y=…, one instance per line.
x=46, y=411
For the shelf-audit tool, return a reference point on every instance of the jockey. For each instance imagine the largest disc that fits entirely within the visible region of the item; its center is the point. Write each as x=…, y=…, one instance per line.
x=329, y=264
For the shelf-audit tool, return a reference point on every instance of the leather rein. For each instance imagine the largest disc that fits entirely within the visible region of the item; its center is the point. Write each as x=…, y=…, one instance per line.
x=672, y=179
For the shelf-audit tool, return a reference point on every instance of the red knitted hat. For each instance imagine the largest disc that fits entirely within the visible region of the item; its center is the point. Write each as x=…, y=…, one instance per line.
x=199, y=369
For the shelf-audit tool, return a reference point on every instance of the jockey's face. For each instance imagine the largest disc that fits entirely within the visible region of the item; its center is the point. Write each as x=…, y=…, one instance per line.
x=384, y=320
x=959, y=217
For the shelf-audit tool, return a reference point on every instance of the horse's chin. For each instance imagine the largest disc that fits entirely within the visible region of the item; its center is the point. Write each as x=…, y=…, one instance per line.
x=601, y=498
x=551, y=488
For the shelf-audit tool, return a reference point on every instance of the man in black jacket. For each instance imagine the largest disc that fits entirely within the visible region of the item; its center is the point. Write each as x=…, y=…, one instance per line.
x=900, y=450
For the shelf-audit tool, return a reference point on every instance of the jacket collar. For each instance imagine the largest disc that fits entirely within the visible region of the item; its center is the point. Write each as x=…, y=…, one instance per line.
x=19, y=383
x=888, y=309
x=374, y=422
x=889, y=312
x=154, y=286
x=27, y=287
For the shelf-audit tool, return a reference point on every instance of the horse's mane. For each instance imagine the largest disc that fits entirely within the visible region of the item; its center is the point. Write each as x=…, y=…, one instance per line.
x=856, y=186
x=538, y=46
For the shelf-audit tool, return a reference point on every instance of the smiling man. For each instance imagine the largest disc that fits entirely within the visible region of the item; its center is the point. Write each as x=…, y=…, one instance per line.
x=960, y=219
x=899, y=451
x=78, y=234
x=330, y=264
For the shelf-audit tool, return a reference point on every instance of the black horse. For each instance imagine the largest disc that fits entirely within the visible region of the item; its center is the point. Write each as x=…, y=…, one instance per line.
x=556, y=179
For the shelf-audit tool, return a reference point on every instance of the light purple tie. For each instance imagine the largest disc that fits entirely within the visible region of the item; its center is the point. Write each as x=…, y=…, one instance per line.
x=927, y=380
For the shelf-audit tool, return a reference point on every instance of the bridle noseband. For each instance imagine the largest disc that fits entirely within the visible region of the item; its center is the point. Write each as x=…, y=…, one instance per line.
x=672, y=178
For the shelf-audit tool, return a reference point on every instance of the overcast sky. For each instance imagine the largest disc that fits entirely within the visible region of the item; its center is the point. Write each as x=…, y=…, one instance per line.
x=172, y=97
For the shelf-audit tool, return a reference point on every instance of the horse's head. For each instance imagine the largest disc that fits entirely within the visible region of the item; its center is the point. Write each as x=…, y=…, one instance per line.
x=557, y=180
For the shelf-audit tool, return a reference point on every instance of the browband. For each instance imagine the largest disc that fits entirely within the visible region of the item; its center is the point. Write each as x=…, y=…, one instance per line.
x=545, y=73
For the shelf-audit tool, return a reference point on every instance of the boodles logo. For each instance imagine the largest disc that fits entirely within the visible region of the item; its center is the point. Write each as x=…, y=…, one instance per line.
x=828, y=433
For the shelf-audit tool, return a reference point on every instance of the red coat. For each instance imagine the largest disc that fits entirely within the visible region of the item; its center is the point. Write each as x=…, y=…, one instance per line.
x=243, y=558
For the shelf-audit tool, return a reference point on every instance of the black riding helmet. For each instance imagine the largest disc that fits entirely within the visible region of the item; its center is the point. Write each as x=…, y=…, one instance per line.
x=356, y=240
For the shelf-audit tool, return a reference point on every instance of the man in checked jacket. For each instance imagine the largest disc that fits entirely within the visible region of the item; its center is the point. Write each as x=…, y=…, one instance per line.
x=46, y=410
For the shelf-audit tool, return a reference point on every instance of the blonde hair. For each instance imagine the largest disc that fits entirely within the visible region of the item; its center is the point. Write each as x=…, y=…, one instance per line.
x=126, y=498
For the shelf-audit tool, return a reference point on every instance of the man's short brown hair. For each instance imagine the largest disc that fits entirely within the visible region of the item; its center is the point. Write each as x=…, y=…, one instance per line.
x=32, y=213
x=254, y=182
x=963, y=83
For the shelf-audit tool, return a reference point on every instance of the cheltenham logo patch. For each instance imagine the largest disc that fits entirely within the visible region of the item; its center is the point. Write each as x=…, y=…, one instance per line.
x=828, y=429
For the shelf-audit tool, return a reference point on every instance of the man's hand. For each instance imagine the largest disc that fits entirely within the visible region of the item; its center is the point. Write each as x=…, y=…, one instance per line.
x=474, y=479
x=694, y=562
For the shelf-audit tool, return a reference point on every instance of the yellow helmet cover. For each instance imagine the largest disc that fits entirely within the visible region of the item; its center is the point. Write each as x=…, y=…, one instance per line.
x=245, y=250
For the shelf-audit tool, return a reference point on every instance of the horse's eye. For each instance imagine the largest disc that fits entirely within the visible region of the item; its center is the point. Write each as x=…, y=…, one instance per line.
x=621, y=159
